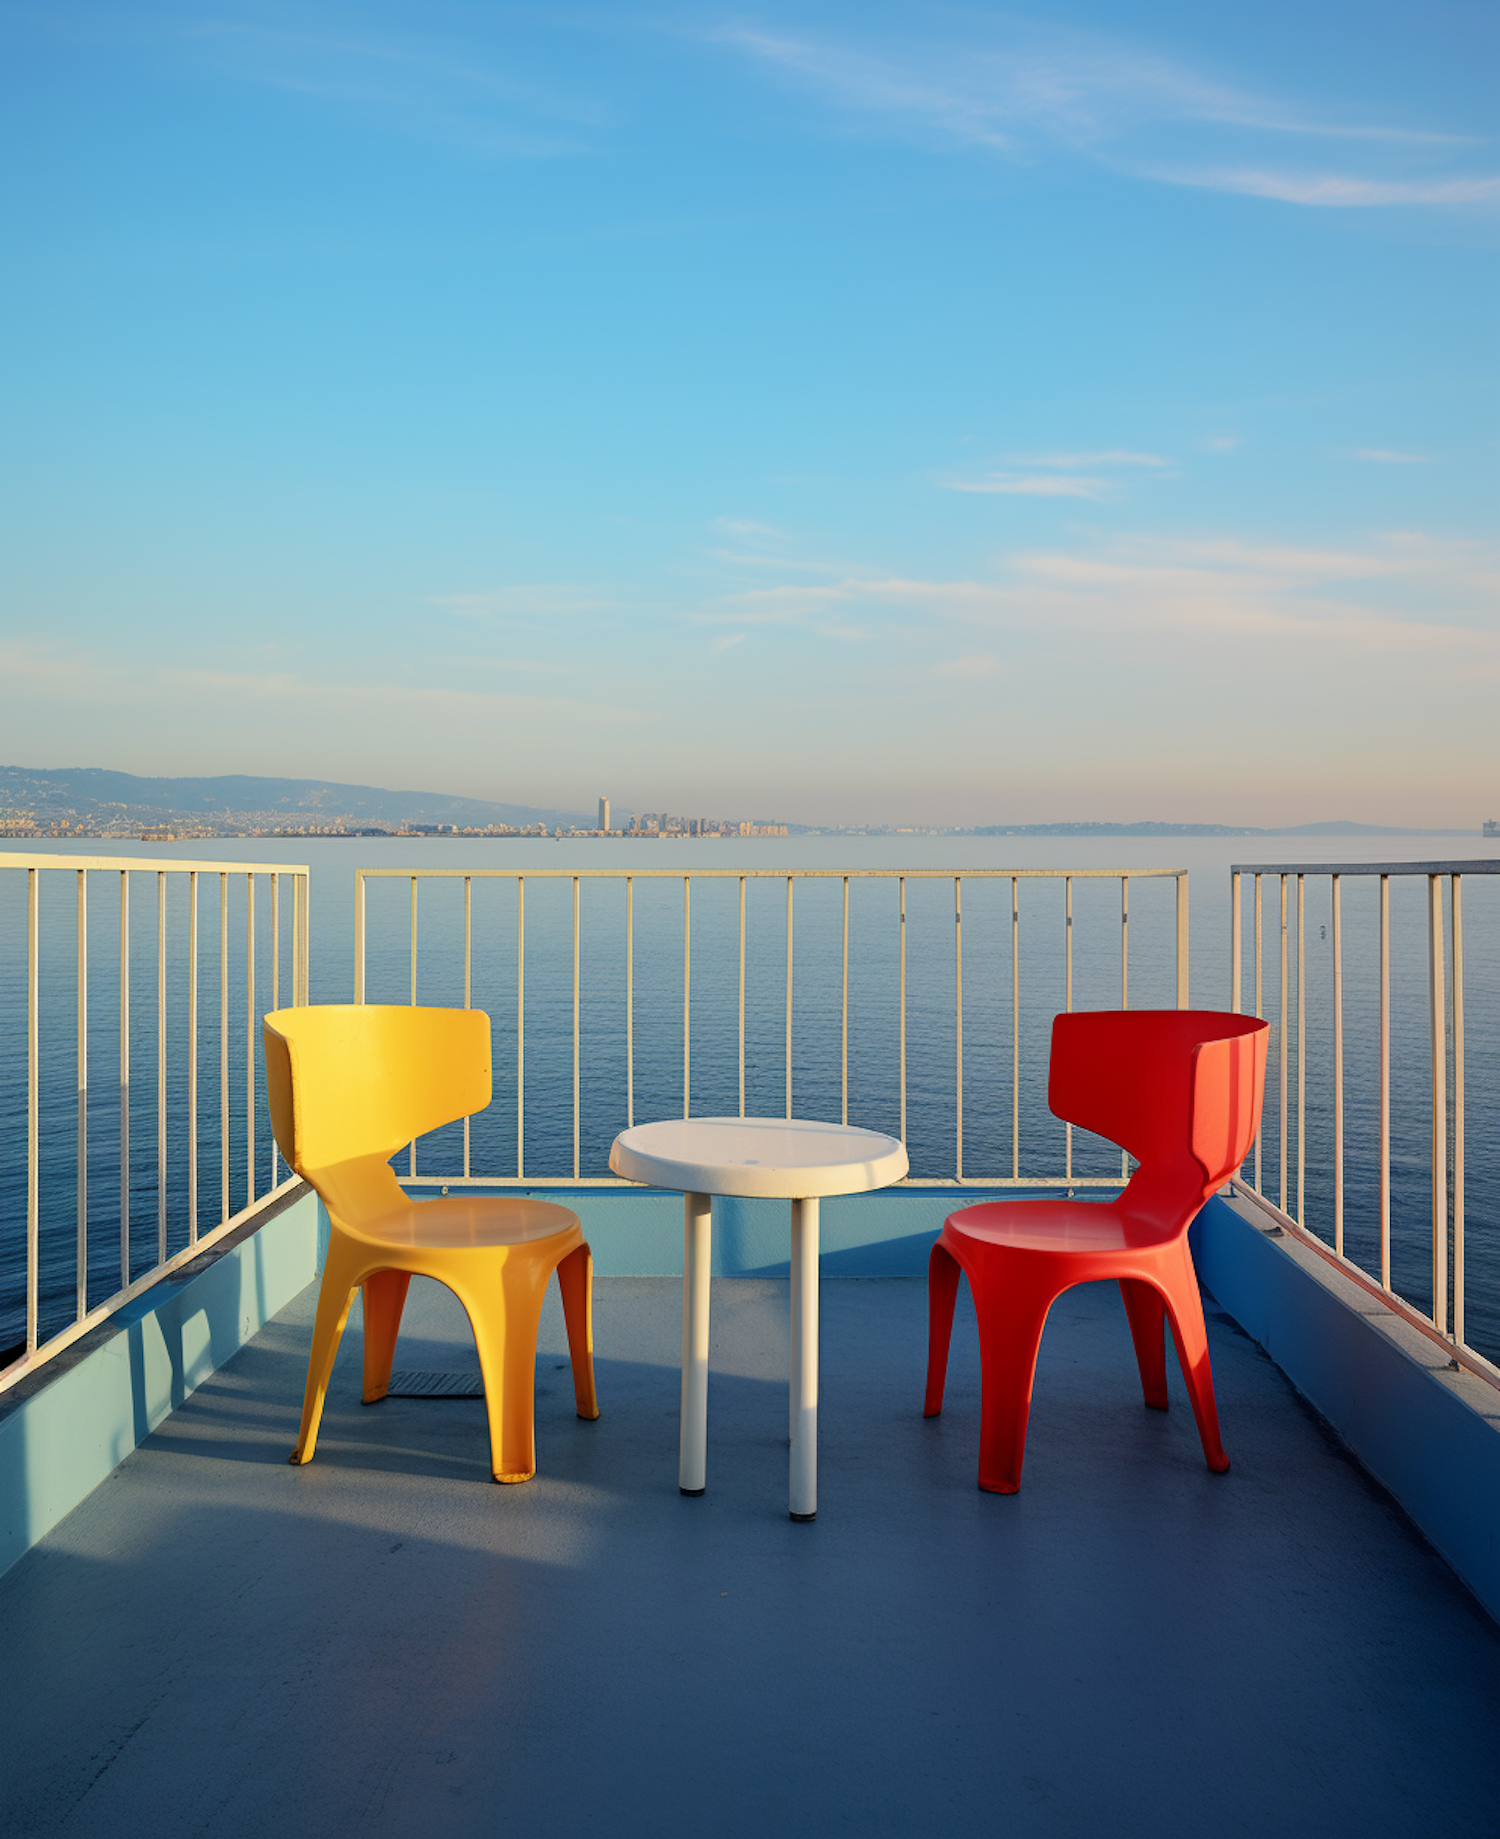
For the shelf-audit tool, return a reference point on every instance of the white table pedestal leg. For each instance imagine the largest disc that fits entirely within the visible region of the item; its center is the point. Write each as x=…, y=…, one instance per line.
x=804, y=1388
x=697, y=1264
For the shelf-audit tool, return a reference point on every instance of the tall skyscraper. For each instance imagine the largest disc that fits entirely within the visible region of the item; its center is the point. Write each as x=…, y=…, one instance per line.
x=604, y=814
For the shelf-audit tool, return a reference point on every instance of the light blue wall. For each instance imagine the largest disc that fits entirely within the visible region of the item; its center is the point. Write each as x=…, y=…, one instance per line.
x=1435, y=1453
x=63, y=1433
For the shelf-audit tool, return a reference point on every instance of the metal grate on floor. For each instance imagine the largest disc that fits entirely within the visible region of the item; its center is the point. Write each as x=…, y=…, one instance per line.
x=435, y=1385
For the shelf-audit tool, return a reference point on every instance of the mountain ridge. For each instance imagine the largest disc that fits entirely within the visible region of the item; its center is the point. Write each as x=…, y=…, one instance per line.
x=83, y=792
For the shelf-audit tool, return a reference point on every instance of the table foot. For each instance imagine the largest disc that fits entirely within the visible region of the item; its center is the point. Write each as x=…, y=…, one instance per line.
x=803, y=1518
x=803, y=1475
x=692, y=1493
x=697, y=1264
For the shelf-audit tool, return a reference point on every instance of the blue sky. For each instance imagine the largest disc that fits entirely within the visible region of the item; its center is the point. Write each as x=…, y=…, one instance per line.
x=852, y=413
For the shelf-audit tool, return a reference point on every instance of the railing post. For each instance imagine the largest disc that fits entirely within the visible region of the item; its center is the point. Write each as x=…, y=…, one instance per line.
x=1015, y=1028
x=124, y=1015
x=687, y=996
x=741, y=1056
x=1235, y=947
x=1301, y=1049
x=411, y=1153
x=33, y=1108
x=520, y=1027
x=275, y=981
x=161, y=1068
x=1281, y=1054
x=1184, y=967
x=1068, y=1008
x=1455, y=883
x=250, y=1032
x=901, y=1040
x=1124, y=941
x=789, y=995
x=1437, y=1007
x=468, y=982
x=359, y=935
x=1336, y=916
x=224, y=1207
x=1259, y=999
x=81, y=1257
x=958, y=1027
x=844, y=1015
x=577, y=1112
x=192, y=1083
x=1385, y=1082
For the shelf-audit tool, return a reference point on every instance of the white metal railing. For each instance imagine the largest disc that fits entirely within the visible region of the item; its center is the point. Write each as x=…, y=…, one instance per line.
x=56, y=983
x=731, y=938
x=1442, y=1025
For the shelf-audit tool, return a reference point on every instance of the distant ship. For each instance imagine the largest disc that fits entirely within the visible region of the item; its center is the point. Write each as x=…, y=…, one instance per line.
x=1491, y=827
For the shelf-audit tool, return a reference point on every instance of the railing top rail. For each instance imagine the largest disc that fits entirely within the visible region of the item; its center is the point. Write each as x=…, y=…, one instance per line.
x=775, y=874
x=1485, y=865
x=149, y=864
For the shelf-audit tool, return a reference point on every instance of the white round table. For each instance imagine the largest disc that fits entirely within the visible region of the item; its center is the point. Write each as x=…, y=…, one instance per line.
x=759, y=1158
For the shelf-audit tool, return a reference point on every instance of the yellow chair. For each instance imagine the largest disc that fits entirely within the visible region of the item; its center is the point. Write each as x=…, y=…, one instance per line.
x=349, y=1085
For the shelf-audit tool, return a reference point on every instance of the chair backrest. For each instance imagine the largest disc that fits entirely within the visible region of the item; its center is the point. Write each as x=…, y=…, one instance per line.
x=350, y=1081
x=1181, y=1089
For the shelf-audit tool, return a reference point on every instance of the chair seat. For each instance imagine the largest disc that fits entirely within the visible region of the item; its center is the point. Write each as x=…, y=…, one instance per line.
x=1063, y=1226
x=456, y=1220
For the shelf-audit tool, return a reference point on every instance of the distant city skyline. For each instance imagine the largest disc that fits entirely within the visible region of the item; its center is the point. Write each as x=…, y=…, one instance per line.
x=865, y=414
x=37, y=803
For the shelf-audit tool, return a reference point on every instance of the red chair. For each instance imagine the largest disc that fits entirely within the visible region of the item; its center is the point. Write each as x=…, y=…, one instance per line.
x=1181, y=1090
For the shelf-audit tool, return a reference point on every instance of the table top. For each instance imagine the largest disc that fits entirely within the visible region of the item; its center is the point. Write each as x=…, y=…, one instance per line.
x=768, y=1158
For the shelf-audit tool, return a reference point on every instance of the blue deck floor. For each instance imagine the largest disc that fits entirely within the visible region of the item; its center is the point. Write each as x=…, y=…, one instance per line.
x=386, y=1643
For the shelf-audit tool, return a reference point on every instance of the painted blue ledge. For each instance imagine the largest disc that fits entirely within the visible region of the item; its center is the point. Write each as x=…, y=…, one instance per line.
x=1427, y=1433
x=64, y=1428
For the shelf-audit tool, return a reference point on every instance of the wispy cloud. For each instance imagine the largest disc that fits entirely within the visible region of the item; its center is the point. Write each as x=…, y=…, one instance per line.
x=1063, y=476
x=533, y=598
x=728, y=642
x=1403, y=594
x=767, y=547
x=1342, y=191
x=1018, y=89
x=1031, y=485
x=1385, y=456
x=1112, y=456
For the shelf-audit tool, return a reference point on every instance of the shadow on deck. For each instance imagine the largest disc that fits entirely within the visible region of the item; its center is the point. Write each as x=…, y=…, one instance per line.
x=388, y=1643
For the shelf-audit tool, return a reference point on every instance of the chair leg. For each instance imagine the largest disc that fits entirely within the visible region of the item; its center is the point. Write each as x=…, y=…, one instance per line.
x=335, y=1296
x=575, y=1279
x=505, y=1316
x=384, y=1299
x=942, y=1293
x=1011, y=1316
x=1146, y=1313
x=1185, y=1311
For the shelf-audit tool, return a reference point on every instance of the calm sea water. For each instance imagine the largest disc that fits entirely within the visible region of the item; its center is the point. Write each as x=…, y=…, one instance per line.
x=996, y=1109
